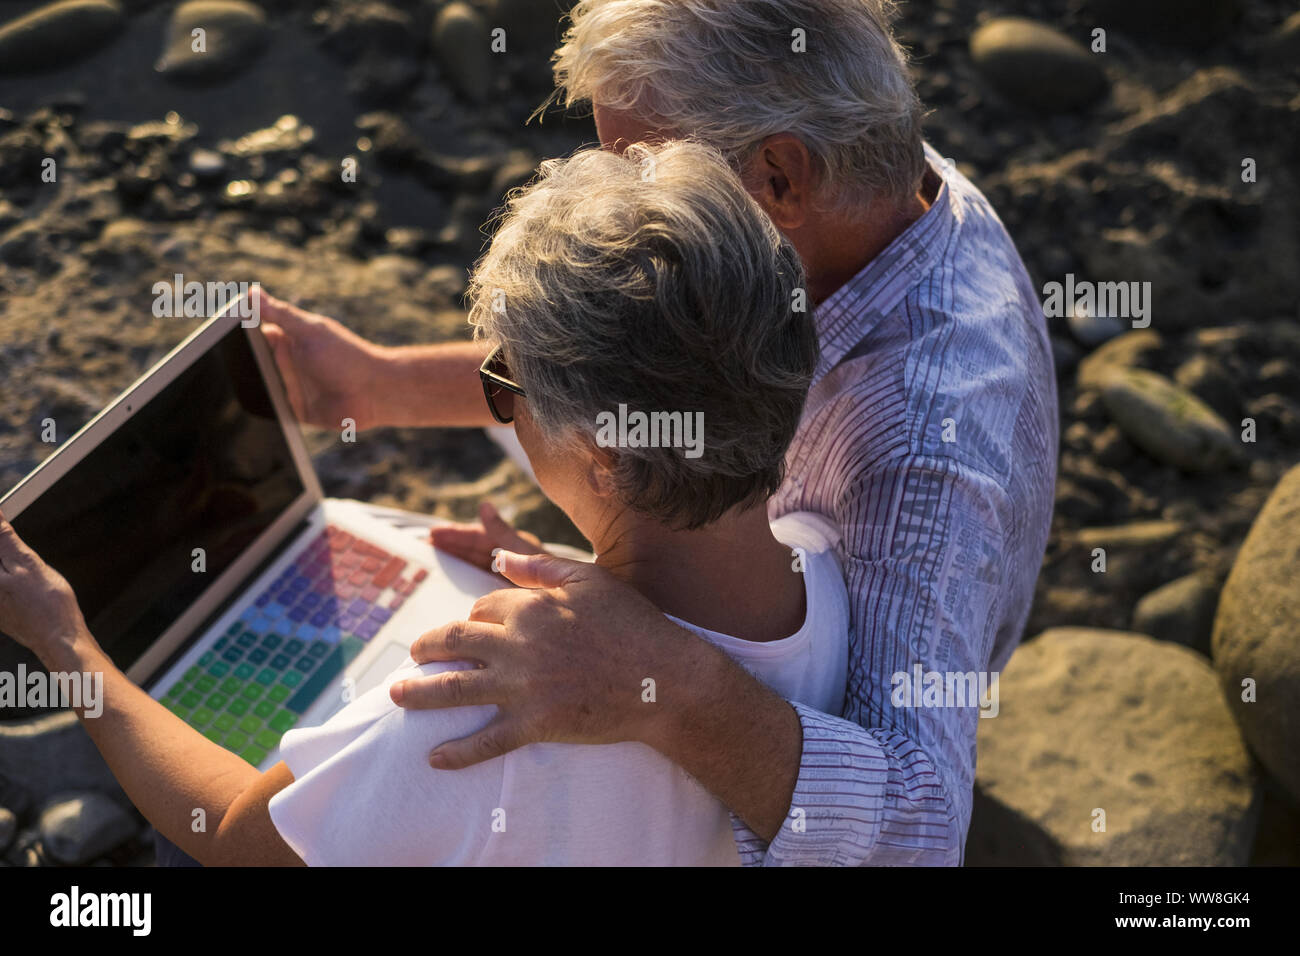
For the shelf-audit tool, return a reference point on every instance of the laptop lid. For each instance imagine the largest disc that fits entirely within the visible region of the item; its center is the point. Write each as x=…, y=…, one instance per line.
x=162, y=505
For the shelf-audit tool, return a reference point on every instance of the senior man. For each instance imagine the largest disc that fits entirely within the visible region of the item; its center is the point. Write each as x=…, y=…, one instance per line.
x=929, y=441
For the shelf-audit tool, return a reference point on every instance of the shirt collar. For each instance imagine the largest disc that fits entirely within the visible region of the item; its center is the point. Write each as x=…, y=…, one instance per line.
x=851, y=311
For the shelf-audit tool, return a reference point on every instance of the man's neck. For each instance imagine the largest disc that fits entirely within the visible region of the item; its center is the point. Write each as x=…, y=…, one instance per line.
x=731, y=576
x=836, y=246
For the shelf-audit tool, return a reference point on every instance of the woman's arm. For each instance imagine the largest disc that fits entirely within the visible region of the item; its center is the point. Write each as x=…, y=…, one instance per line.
x=209, y=802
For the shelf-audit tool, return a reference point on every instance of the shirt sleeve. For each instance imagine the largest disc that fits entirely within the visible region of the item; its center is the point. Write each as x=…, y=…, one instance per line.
x=364, y=794
x=923, y=545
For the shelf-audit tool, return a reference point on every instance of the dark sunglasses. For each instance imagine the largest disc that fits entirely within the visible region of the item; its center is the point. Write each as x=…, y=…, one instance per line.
x=498, y=386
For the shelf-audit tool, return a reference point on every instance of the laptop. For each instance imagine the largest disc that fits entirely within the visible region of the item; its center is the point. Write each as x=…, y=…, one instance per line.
x=191, y=525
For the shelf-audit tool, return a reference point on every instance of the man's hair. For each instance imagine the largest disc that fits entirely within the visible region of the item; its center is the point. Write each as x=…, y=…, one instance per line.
x=653, y=280
x=726, y=72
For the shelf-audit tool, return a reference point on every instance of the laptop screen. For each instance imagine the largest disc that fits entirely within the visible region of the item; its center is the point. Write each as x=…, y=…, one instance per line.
x=203, y=465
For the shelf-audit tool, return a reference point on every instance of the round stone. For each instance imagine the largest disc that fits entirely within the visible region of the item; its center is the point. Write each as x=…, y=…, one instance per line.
x=233, y=33
x=462, y=42
x=1036, y=66
x=51, y=36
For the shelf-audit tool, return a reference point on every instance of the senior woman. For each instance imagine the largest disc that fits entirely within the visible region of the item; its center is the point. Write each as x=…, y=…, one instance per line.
x=648, y=284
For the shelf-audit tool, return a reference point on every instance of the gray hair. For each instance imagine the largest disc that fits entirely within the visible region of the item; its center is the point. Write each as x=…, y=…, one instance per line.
x=652, y=279
x=725, y=71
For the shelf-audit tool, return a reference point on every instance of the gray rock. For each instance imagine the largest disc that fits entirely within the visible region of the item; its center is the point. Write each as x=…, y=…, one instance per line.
x=1093, y=719
x=1124, y=351
x=1189, y=22
x=1181, y=612
x=51, y=36
x=76, y=828
x=1257, y=634
x=462, y=42
x=1036, y=66
x=28, y=850
x=48, y=755
x=234, y=32
x=1168, y=422
x=8, y=827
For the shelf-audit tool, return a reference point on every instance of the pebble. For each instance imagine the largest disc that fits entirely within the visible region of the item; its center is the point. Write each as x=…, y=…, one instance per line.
x=1168, y=422
x=76, y=828
x=234, y=33
x=1036, y=66
x=54, y=35
x=207, y=163
x=1256, y=638
x=1092, y=719
x=1181, y=612
x=462, y=41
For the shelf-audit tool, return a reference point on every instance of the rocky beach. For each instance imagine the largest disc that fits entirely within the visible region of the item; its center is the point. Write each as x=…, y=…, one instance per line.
x=1154, y=159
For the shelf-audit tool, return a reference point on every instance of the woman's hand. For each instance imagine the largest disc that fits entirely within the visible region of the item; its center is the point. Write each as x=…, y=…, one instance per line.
x=37, y=606
x=477, y=543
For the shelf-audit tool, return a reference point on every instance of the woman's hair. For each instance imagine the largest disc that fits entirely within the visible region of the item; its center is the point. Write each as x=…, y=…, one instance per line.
x=653, y=280
x=733, y=72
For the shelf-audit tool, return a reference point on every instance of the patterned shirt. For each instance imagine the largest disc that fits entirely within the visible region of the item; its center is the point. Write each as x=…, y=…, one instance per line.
x=930, y=440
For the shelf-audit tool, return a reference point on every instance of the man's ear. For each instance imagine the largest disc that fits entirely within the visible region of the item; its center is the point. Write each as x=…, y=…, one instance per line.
x=781, y=176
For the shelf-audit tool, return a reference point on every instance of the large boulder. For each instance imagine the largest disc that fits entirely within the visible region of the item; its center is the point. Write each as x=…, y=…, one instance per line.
x=1257, y=634
x=1094, y=720
x=51, y=36
x=1037, y=66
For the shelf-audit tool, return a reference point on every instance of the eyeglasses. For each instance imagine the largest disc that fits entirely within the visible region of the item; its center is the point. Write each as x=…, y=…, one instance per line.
x=498, y=386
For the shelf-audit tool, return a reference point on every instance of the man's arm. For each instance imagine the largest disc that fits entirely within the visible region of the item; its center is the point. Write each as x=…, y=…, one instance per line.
x=332, y=373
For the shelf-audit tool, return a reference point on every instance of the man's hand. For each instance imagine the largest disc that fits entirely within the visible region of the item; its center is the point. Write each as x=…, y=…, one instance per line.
x=561, y=683
x=569, y=656
x=37, y=606
x=475, y=543
x=329, y=372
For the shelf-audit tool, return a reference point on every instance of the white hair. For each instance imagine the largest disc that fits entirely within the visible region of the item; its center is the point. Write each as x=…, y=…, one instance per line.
x=727, y=72
x=653, y=279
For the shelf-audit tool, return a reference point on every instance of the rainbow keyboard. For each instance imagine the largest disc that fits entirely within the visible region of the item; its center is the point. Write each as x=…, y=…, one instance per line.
x=256, y=680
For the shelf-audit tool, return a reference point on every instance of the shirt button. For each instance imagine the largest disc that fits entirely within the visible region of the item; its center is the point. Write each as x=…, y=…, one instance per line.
x=845, y=760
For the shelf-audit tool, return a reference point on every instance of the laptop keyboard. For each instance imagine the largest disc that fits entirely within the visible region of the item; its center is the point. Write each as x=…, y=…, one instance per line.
x=254, y=681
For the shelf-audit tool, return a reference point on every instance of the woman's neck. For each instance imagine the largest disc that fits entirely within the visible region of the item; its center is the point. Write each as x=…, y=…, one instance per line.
x=731, y=576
